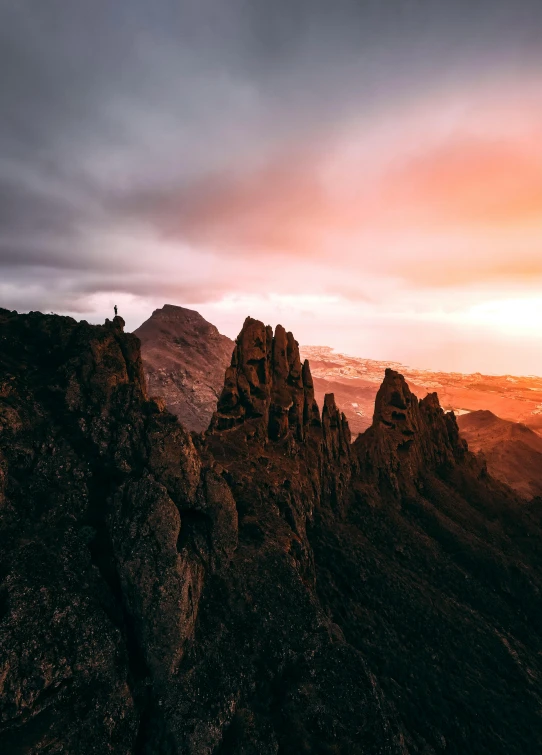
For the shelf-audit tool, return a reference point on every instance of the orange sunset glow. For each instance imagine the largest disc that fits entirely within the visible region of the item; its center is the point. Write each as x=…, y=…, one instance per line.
x=376, y=202
x=429, y=219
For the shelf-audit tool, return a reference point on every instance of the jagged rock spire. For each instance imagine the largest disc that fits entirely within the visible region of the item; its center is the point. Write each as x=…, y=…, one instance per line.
x=311, y=412
x=267, y=383
x=395, y=405
x=408, y=435
x=337, y=436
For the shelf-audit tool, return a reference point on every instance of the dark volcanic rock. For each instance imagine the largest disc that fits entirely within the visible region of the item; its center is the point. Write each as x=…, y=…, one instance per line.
x=282, y=462
x=132, y=617
x=184, y=359
x=433, y=571
x=107, y=528
x=267, y=385
x=407, y=436
x=263, y=588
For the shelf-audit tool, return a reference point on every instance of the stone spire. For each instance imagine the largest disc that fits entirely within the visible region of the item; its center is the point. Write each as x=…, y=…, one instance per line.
x=407, y=435
x=267, y=385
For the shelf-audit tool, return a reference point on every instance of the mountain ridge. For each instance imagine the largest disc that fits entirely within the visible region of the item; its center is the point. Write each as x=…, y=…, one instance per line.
x=263, y=587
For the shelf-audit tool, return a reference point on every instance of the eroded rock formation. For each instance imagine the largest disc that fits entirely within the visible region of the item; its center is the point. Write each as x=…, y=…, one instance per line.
x=267, y=385
x=266, y=587
x=408, y=436
x=107, y=528
x=137, y=616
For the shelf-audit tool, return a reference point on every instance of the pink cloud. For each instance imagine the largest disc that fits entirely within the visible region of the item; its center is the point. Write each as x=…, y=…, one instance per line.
x=467, y=194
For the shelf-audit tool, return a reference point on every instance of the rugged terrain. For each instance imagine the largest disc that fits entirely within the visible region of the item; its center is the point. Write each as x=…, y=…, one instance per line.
x=184, y=359
x=265, y=587
x=512, y=450
x=355, y=382
x=137, y=616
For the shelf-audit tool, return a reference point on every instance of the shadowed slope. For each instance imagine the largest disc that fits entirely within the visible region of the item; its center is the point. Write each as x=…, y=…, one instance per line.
x=433, y=571
x=264, y=589
x=281, y=460
x=151, y=600
x=513, y=451
x=105, y=535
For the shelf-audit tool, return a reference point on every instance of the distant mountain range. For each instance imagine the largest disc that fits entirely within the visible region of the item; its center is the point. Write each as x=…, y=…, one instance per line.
x=355, y=382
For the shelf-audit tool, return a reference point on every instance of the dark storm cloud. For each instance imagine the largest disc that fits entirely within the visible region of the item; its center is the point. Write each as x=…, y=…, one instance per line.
x=161, y=113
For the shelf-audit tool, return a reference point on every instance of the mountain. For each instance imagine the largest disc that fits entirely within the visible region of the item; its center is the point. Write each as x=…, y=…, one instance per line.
x=265, y=587
x=136, y=614
x=184, y=359
x=355, y=382
x=512, y=450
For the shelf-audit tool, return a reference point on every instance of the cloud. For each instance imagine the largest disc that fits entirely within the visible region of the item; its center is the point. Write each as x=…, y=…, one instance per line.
x=198, y=151
x=421, y=206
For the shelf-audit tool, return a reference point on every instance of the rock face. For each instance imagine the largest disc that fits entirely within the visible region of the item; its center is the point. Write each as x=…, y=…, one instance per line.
x=267, y=382
x=407, y=436
x=433, y=571
x=184, y=360
x=136, y=617
x=109, y=520
x=264, y=588
x=513, y=452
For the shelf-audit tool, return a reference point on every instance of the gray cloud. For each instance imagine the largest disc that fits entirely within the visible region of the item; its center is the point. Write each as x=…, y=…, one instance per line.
x=162, y=113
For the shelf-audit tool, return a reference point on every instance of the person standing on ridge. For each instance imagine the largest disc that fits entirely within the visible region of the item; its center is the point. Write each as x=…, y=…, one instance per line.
x=116, y=310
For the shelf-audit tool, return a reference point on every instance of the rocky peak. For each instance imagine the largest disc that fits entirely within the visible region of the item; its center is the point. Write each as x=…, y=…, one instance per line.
x=335, y=427
x=175, y=315
x=311, y=412
x=267, y=385
x=395, y=405
x=184, y=359
x=408, y=435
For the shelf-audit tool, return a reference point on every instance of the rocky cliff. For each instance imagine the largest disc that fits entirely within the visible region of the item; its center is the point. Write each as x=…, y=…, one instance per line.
x=433, y=571
x=109, y=520
x=137, y=616
x=184, y=360
x=266, y=587
x=407, y=436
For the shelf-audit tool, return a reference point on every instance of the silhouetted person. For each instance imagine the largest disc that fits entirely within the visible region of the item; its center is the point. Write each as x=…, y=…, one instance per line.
x=116, y=310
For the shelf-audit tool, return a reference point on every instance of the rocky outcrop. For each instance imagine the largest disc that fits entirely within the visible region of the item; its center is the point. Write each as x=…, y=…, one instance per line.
x=282, y=460
x=265, y=587
x=267, y=386
x=184, y=359
x=336, y=433
x=432, y=570
x=107, y=528
x=407, y=437
x=151, y=599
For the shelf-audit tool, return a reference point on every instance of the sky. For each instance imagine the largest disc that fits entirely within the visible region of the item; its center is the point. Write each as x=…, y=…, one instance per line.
x=368, y=174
